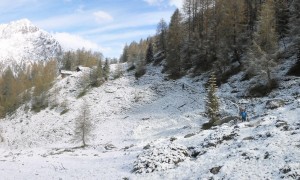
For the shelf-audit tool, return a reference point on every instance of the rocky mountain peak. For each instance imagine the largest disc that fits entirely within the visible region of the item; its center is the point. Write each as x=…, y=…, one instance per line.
x=21, y=42
x=23, y=26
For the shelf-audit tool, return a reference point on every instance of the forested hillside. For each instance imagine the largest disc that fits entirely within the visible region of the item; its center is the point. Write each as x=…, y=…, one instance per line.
x=226, y=36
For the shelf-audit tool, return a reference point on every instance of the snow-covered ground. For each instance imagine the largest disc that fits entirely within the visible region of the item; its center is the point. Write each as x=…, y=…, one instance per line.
x=154, y=125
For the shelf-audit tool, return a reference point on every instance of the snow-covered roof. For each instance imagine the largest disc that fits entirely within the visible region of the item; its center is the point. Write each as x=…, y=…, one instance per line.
x=67, y=72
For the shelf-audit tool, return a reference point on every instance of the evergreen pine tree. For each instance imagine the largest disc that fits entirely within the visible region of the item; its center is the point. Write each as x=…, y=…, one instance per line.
x=149, y=53
x=295, y=36
x=96, y=75
x=212, y=100
x=282, y=17
x=106, y=69
x=295, y=26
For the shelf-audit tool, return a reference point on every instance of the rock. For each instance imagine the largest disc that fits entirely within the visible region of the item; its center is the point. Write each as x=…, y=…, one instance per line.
x=209, y=144
x=147, y=146
x=280, y=123
x=173, y=139
x=189, y=135
x=127, y=147
x=267, y=155
x=268, y=134
x=195, y=153
x=285, y=128
x=285, y=169
x=274, y=104
x=226, y=120
x=215, y=170
x=236, y=127
x=229, y=137
x=249, y=138
x=109, y=146
x=244, y=154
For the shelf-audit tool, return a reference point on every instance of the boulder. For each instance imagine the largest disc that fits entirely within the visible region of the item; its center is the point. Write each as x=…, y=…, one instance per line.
x=226, y=120
x=109, y=146
x=215, y=170
x=280, y=123
x=274, y=104
x=189, y=135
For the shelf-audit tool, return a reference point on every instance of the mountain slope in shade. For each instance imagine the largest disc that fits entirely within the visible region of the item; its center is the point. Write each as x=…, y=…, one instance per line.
x=21, y=42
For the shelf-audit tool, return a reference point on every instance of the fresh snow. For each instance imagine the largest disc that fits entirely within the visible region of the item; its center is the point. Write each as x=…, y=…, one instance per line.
x=149, y=121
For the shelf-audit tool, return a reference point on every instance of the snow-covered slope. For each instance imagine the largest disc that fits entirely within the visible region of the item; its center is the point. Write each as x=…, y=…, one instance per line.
x=154, y=125
x=21, y=43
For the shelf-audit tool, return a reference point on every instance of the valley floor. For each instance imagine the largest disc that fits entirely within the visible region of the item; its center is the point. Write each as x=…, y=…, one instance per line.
x=150, y=118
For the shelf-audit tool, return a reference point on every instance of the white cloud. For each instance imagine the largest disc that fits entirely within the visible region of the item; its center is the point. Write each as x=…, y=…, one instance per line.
x=8, y=4
x=78, y=18
x=177, y=3
x=145, y=19
x=154, y=2
x=129, y=35
x=73, y=42
x=65, y=21
x=101, y=16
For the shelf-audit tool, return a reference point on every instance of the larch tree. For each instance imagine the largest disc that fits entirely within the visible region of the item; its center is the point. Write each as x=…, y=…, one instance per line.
x=161, y=32
x=8, y=91
x=212, y=100
x=118, y=71
x=190, y=9
x=261, y=55
x=124, y=56
x=67, y=61
x=83, y=125
x=174, y=47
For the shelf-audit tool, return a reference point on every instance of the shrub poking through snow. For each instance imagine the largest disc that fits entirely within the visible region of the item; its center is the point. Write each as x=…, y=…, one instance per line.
x=160, y=158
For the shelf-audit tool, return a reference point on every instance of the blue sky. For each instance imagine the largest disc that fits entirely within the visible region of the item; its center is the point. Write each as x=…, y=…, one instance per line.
x=100, y=25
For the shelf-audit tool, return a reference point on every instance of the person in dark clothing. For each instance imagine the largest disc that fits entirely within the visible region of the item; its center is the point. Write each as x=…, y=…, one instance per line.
x=182, y=86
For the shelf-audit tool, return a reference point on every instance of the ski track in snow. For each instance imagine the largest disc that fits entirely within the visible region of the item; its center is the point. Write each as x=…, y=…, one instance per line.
x=129, y=114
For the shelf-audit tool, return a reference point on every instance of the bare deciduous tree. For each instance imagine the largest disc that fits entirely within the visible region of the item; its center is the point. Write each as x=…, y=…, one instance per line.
x=83, y=126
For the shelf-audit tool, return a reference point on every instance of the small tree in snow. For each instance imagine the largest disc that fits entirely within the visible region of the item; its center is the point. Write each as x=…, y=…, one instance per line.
x=106, y=69
x=83, y=126
x=118, y=71
x=212, y=100
x=149, y=53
